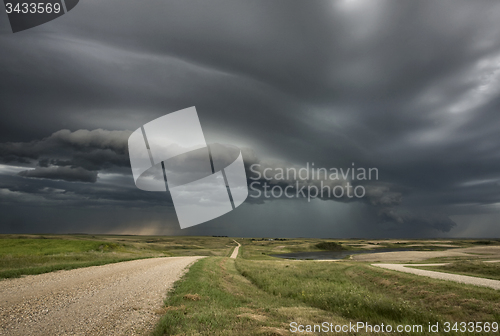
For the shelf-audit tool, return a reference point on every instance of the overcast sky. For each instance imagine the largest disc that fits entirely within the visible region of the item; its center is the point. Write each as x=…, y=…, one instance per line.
x=411, y=88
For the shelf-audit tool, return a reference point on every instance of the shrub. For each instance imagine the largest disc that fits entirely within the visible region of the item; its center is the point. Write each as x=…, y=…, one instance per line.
x=330, y=246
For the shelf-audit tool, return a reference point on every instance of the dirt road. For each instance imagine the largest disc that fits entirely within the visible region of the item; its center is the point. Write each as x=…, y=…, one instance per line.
x=495, y=284
x=236, y=250
x=115, y=299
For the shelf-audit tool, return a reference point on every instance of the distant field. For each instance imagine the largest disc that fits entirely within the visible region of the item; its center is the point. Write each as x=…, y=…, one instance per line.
x=35, y=254
x=44, y=246
x=263, y=248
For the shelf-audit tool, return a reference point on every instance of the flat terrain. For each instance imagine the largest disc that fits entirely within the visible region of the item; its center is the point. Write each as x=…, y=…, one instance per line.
x=240, y=288
x=223, y=296
x=476, y=252
x=257, y=294
x=115, y=299
x=465, y=279
x=36, y=254
x=488, y=269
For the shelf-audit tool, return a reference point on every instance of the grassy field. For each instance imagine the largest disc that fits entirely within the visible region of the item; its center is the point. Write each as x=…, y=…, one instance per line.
x=361, y=292
x=213, y=298
x=471, y=268
x=260, y=295
x=262, y=248
x=220, y=296
x=35, y=254
x=257, y=294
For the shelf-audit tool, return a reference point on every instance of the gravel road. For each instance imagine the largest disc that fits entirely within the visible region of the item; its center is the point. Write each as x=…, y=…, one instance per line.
x=236, y=250
x=114, y=299
x=495, y=284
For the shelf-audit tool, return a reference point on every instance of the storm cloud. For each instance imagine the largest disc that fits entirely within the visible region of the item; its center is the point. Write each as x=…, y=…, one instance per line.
x=410, y=88
x=91, y=150
x=61, y=173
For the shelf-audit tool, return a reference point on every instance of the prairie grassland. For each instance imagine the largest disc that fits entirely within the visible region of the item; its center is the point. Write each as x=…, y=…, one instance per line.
x=35, y=254
x=221, y=296
x=213, y=298
x=260, y=295
x=362, y=292
x=261, y=248
x=257, y=294
x=469, y=267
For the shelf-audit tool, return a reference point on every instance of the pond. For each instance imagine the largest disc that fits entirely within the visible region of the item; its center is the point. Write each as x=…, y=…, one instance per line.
x=323, y=255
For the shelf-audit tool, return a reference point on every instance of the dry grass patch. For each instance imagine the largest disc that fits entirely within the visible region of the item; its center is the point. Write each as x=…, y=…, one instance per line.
x=309, y=315
x=192, y=297
x=385, y=282
x=255, y=317
x=164, y=310
x=272, y=331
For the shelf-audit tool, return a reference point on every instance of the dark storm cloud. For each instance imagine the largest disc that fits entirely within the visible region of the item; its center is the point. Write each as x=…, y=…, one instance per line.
x=411, y=88
x=90, y=150
x=108, y=191
x=383, y=199
x=61, y=173
x=71, y=147
x=285, y=174
x=426, y=220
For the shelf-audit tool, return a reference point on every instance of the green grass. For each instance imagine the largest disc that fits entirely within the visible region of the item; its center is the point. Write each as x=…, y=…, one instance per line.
x=471, y=268
x=221, y=296
x=263, y=248
x=362, y=292
x=43, y=246
x=258, y=294
x=330, y=287
x=59, y=265
x=36, y=254
x=213, y=298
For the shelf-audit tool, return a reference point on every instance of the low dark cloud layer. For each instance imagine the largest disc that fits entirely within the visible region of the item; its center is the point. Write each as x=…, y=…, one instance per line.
x=94, y=148
x=61, y=173
x=411, y=88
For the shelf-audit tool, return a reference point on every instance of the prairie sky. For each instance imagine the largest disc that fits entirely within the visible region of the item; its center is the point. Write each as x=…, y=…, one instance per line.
x=411, y=88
